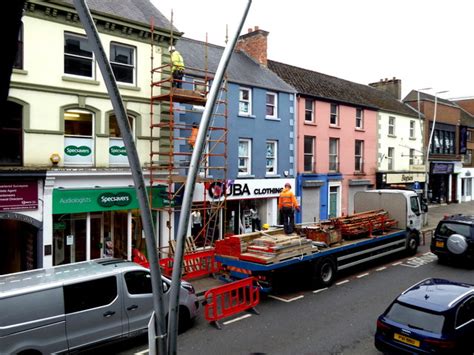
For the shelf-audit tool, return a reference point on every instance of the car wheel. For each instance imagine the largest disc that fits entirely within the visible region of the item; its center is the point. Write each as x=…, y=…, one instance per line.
x=412, y=243
x=456, y=244
x=184, y=319
x=325, y=272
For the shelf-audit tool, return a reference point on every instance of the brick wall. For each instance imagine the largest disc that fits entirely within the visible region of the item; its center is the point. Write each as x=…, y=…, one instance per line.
x=254, y=43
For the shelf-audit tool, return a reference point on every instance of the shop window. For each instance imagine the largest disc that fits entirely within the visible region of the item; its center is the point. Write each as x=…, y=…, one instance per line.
x=122, y=60
x=78, y=56
x=90, y=294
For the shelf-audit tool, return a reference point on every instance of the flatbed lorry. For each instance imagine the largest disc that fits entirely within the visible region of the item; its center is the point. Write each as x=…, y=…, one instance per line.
x=319, y=267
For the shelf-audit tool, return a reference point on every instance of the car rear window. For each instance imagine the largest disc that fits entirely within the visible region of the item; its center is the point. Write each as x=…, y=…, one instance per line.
x=416, y=318
x=447, y=228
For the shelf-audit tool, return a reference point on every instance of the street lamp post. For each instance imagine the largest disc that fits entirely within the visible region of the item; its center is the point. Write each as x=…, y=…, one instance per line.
x=428, y=148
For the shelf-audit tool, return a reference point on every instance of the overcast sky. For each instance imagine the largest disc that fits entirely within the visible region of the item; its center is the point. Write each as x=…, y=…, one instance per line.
x=425, y=43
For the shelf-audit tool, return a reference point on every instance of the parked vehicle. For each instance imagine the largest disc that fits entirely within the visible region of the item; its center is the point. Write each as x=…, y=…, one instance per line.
x=454, y=238
x=81, y=305
x=435, y=316
x=320, y=265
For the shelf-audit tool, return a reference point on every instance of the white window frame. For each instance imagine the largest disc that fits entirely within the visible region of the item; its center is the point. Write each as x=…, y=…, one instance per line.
x=306, y=110
x=269, y=105
x=133, y=66
x=391, y=125
x=334, y=115
x=247, y=102
x=336, y=162
x=412, y=129
x=273, y=158
x=411, y=155
x=390, y=158
x=311, y=154
x=359, y=123
x=359, y=158
x=91, y=59
x=245, y=169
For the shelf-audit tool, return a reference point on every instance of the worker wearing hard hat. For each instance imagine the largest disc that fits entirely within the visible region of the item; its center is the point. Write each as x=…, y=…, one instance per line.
x=177, y=67
x=287, y=204
x=192, y=137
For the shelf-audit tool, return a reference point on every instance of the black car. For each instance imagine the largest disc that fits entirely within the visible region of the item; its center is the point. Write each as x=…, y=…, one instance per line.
x=435, y=316
x=454, y=238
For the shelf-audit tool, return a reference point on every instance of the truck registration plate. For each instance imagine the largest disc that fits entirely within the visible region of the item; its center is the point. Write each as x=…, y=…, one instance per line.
x=439, y=244
x=406, y=340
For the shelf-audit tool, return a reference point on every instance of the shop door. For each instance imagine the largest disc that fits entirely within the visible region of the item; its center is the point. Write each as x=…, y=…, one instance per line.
x=333, y=198
x=77, y=239
x=310, y=204
x=116, y=232
x=97, y=236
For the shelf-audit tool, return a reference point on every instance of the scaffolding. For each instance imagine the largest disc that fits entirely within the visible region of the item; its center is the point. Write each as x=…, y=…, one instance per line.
x=173, y=113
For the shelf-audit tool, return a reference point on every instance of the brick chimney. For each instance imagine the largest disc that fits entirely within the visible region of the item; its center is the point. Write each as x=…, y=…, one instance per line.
x=391, y=86
x=254, y=43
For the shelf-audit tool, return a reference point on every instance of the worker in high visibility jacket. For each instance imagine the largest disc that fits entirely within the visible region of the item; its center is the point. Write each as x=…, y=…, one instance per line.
x=192, y=137
x=177, y=68
x=287, y=204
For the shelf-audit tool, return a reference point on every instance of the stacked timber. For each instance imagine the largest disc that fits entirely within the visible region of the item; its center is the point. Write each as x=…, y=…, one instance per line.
x=363, y=224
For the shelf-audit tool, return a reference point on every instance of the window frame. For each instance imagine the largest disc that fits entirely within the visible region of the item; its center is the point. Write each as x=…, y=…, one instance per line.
x=468, y=300
x=412, y=129
x=132, y=66
x=390, y=158
x=311, y=154
x=391, y=125
x=334, y=115
x=309, y=110
x=131, y=121
x=411, y=156
x=359, y=158
x=72, y=295
x=274, y=158
x=248, y=158
x=359, y=123
x=79, y=112
x=274, y=105
x=247, y=102
x=19, y=58
x=91, y=59
x=335, y=156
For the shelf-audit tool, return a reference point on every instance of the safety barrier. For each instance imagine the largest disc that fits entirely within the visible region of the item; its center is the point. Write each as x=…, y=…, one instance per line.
x=195, y=265
x=139, y=258
x=229, y=299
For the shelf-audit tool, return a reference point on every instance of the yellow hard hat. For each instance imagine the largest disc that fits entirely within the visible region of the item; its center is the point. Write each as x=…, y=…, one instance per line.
x=266, y=226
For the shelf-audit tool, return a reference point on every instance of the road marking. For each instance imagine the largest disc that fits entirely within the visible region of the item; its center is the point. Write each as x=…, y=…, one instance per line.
x=320, y=290
x=395, y=264
x=420, y=260
x=342, y=282
x=286, y=300
x=142, y=352
x=381, y=268
x=237, y=319
x=363, y=275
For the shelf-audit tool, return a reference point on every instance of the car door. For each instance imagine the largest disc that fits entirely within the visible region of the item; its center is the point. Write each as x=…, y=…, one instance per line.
x=465, y=323
x=138, y=299
x=93, y=311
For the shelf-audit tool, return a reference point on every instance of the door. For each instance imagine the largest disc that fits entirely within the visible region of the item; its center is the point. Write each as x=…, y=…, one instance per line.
x=310, y=204
x=93, y=311
x=97, y=235
x=333, y=198
x=138, y=299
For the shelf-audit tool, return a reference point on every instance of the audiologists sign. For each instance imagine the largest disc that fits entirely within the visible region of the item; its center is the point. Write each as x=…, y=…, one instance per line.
x=78, y=201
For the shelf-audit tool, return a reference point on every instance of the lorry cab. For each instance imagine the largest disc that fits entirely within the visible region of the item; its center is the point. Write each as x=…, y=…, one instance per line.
x=403, y=205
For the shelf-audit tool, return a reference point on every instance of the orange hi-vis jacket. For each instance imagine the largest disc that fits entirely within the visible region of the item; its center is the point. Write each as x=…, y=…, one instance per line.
x=193, y=136
x=287, y=199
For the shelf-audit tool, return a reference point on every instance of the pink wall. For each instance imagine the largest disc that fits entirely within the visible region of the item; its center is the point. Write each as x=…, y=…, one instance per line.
x=347, y=133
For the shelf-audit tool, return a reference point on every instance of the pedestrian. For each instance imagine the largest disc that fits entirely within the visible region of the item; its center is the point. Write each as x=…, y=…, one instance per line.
x=255, y=219
x=287, y=204
x=192, y=137
x=196, y=223
x=177, y=68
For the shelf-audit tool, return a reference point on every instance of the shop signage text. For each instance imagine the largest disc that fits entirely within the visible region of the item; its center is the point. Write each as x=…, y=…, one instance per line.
x=110, y=199
x=73, y=150
x=407, y=178
x=115, y=150
x=18, y=196
x=245, y=189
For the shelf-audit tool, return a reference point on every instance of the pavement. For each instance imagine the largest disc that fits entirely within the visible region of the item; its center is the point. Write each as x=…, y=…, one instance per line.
x=436, y=212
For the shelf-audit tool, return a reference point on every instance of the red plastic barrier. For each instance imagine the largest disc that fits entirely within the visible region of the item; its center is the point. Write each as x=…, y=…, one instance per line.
x=195, y=265
x=139, y=258
x=230, y=299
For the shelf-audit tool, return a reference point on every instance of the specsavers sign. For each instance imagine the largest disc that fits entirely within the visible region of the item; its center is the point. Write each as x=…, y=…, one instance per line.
x=78, y=201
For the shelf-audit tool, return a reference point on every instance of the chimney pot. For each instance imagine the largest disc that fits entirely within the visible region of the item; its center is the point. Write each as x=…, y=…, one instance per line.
x=256, y=28
x=249, y=30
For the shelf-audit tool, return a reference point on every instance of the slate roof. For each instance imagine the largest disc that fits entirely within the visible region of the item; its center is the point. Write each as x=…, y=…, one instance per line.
x=413, y=96
x=330, y=88
x=241, y=69
x=139, y=11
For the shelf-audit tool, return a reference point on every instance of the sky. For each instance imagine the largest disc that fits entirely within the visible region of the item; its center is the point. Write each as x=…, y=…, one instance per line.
x=425, y=43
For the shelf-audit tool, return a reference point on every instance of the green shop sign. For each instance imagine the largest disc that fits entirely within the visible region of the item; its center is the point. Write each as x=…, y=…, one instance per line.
x=115, y=150
x=73, y=150
x=79, y=201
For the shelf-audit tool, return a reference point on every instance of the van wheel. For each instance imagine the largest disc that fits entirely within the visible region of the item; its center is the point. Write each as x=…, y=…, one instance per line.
x=325, y=272
x=184, y=320
x=412, y=243
x=30, y=352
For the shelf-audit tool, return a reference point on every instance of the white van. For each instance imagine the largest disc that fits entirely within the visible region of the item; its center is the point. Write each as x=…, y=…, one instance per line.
x=75, y=306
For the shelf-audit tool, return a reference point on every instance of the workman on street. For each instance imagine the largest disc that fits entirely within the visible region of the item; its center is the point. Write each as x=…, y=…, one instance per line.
x=177, y=68
x=287, y=204
x=192, y=137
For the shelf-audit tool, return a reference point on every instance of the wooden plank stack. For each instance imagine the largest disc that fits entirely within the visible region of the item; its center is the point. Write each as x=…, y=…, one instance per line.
x=364, y=223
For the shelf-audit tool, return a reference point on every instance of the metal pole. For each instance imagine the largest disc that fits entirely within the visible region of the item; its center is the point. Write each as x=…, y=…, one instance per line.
x=134, y=161
x=423, y=137
x=191, y=182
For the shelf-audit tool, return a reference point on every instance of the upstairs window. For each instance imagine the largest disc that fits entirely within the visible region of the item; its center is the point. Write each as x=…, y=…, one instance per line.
x=78, y=57
x=122, y=60
x=271, y=157
x=114, y=130
x=390, y=157
x=244, y=156
x=309, y=154
x=359, y=156
x=391, y=126
x=78, y=123
x=245, y=102
x=334, y=154
x=359, y=118
x=412, y=129
x=272, y=105
x=334, y=116
x=19, y=50
x=308, y=110
x=412, y=157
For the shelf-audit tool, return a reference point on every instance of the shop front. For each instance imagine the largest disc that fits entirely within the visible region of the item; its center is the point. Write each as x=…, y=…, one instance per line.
x=97, y=223
x=443, y=182
x=402, y=180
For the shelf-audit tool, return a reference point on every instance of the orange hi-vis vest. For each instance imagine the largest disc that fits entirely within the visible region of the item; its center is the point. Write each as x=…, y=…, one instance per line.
x=287, y=199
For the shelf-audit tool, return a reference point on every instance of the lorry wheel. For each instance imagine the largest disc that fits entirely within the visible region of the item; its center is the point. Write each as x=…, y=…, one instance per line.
x=325, y=272
x=412, y=243
x=184, y=319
